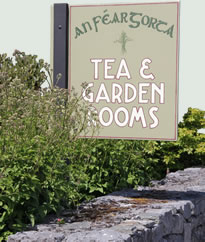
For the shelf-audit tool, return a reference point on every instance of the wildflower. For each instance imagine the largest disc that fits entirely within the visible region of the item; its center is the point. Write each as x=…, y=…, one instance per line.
x=60, y=221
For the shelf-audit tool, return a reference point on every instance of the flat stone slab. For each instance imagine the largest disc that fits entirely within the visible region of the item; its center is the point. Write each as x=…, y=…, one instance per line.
x=170, y=210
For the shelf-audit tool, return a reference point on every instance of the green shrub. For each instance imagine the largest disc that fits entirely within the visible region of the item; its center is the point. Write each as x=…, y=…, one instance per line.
x=37, y=127
x=44, y=167
x=109, y=165
x=24, y=67
x=189, y=149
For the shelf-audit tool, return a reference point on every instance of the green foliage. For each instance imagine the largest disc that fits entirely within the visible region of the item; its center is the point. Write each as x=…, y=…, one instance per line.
x=45, y=168
x=24, y=67
x=37, y=127
x=189, y=149
x=108, y=165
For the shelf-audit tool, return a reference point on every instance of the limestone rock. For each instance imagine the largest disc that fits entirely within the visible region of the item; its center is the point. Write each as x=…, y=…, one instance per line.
x=171, y=210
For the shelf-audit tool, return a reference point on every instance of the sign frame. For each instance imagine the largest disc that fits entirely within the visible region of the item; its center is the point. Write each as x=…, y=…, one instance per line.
x=66, y=80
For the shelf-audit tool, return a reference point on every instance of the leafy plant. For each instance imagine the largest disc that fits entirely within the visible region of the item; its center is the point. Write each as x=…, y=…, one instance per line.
x=45, y=168
x=189, y=149
x=37, y=127
x=26, y=68
x=108, y=165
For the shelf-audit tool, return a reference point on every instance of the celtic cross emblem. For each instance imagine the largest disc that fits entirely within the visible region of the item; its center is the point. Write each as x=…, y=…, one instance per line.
x=123, y=41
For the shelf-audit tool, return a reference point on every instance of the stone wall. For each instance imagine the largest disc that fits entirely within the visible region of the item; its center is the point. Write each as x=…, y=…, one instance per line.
x=171, y=210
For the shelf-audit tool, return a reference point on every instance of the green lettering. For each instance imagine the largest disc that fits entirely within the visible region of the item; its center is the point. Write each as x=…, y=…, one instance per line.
x=96, y=20
x=115, y=19
x=158, y=25
x=84, y=26
x=78, y=32
x=145, y=20
x=134, y=21
x=124, y=17
x=105, y=19
x=170, y=31
x=153, y=21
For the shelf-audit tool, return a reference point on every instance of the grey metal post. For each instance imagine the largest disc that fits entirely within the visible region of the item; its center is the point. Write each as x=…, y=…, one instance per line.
x=60, y=54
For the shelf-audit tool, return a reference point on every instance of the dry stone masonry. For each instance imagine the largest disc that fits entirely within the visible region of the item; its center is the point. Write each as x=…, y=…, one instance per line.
x=170, y=210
